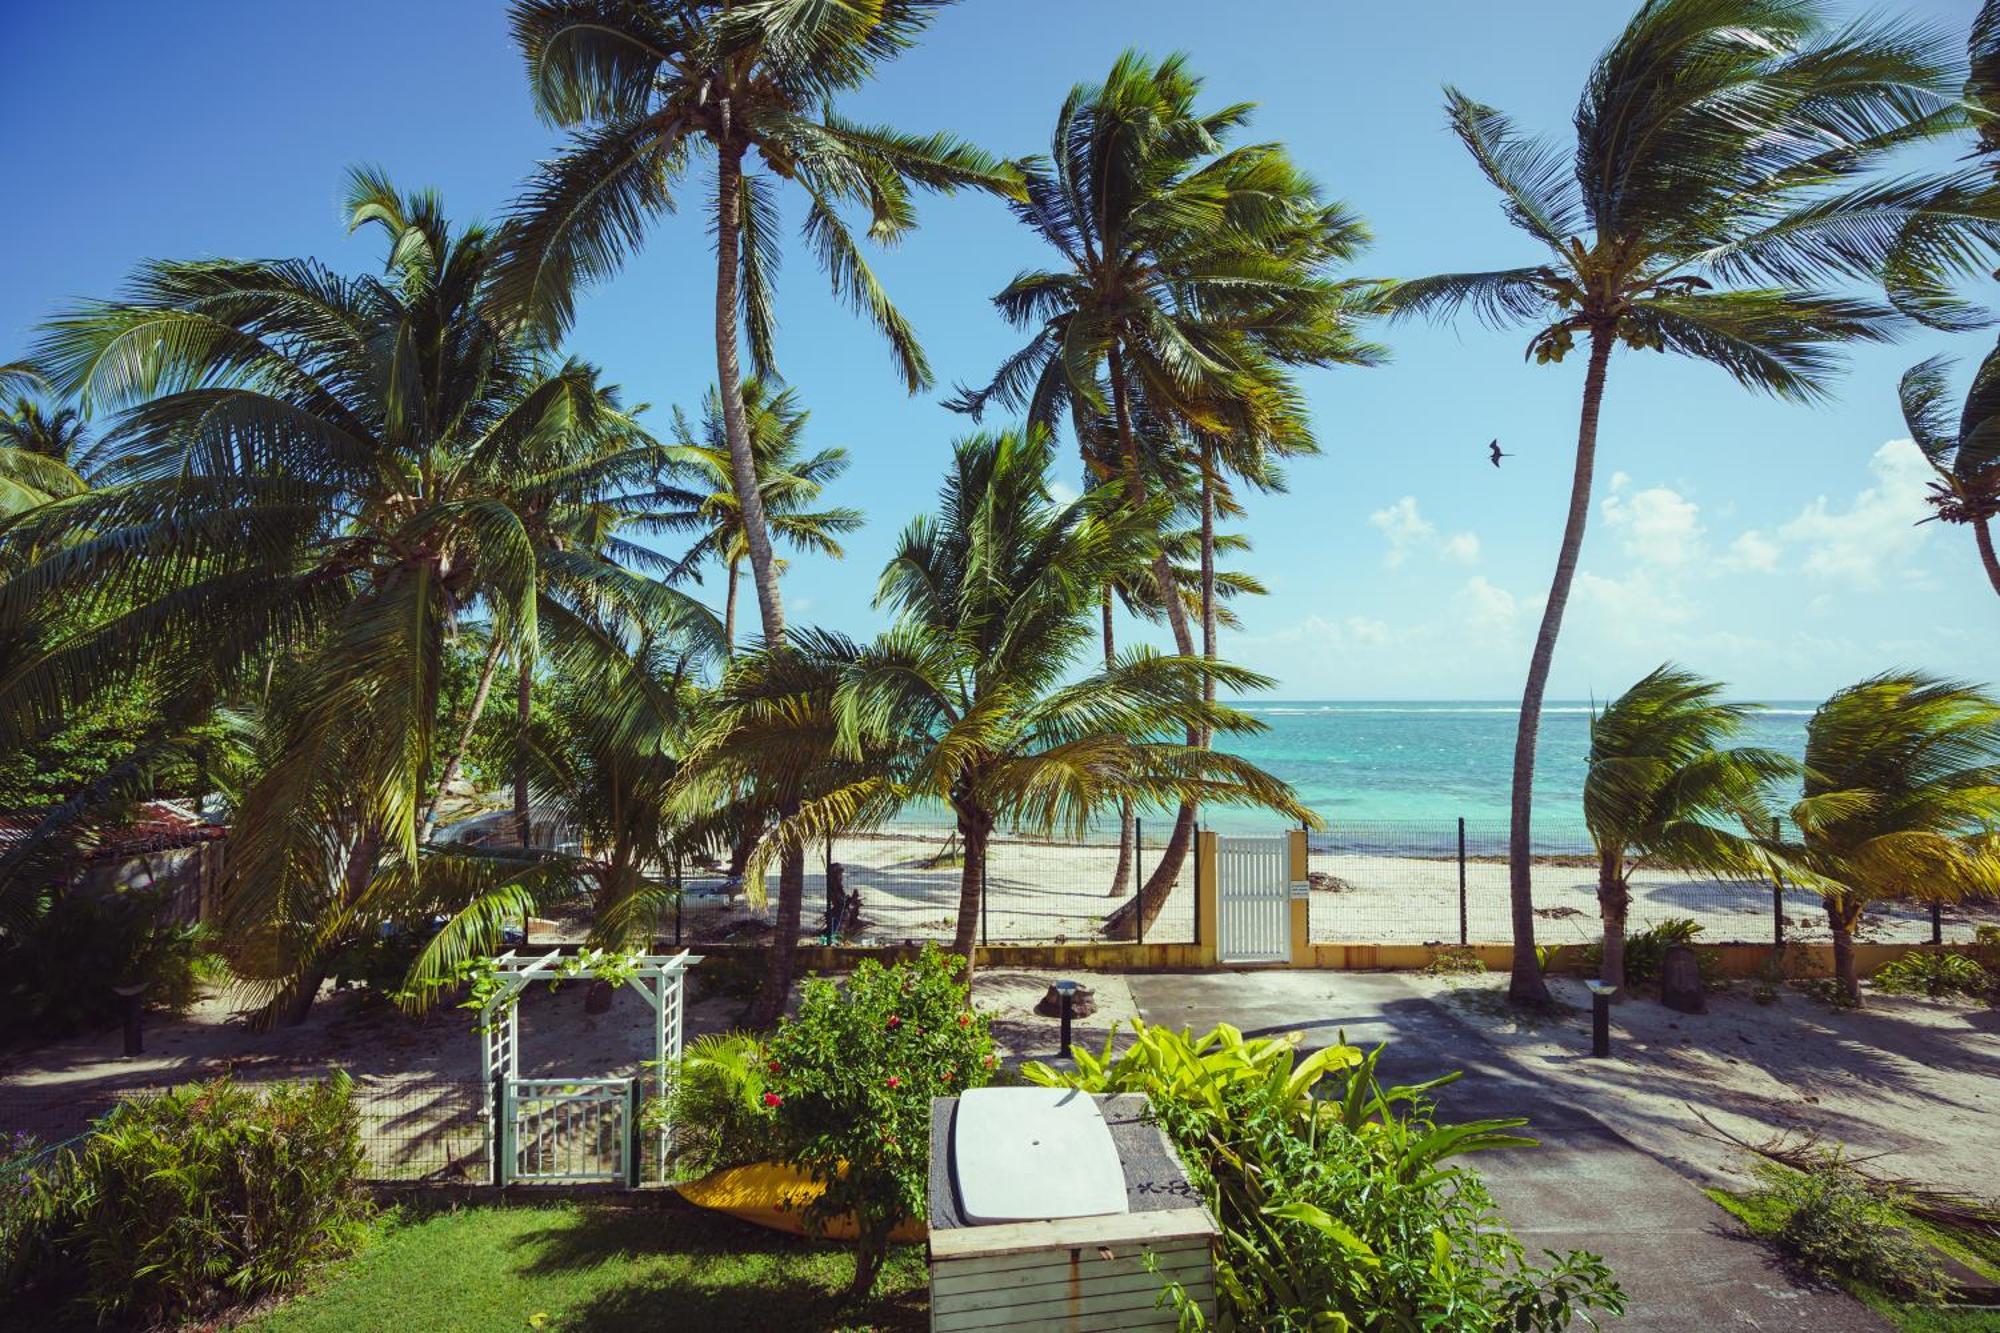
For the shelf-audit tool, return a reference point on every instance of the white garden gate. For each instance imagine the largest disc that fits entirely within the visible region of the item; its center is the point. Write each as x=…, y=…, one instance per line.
x=570, y=1129
x=1253, y=913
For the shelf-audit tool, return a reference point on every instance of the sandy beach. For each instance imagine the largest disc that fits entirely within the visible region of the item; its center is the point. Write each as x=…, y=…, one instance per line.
x=1042, y=892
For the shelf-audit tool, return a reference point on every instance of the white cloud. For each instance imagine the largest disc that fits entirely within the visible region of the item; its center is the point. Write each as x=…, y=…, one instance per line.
x=1062, y=492
x=1754, y=553
x=1876, y=531
x=1485, y=605
x=1373, y=633
x=1407, y=530
x=1657, y=525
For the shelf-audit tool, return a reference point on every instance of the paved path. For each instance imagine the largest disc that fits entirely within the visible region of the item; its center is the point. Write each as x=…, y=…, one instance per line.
x=1681, y=1261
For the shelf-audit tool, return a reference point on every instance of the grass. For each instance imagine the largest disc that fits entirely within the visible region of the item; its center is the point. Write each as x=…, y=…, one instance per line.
x=572, y=1266
x=1763, y=1216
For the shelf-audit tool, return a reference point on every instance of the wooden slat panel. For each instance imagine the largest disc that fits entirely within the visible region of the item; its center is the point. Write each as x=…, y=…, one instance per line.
x=1062, y=1233
x=1109, y=1274
x=1089, y=1309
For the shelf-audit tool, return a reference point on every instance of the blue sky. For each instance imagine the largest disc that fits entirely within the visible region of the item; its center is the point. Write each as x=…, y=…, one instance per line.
x=1768, y=544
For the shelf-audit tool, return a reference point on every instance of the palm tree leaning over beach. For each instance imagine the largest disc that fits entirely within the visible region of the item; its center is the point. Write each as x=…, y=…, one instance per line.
x=1721, y=168
x=789, y=482
x=972, y=689
x=1662, y=788
x=1192, y=278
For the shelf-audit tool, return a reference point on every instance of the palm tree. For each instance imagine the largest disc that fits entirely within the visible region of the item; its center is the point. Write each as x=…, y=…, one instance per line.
x=788, y=484
x=1661, y=790
x=651, y=81
x=41, y=453
x=972, y=691
x=1191, y=279
x=1966, y=454
x=1720, y=169
x=325, y=472
x=1902, y=800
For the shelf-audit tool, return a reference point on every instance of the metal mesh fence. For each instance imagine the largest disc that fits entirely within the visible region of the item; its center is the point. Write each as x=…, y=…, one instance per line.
x=910, y=877
x=411, y=1130
x=1410, y=883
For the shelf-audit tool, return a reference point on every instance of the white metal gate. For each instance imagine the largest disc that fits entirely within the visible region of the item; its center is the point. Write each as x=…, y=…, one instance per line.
x=1253, y=913
x=563, y=1129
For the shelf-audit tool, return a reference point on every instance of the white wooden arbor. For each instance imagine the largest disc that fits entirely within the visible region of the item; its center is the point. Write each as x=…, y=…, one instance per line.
x=566, y=1129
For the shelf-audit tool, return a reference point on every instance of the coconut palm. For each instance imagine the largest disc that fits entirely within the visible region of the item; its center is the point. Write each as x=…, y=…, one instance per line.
x=789, y=483
x=327, y=473
x=644, y=85
x=1720, y=170
x=1191, y=279
x=1965, y=454
x=1662, y=788
x=1902, y=800
x=972, y=691
x=41, y=452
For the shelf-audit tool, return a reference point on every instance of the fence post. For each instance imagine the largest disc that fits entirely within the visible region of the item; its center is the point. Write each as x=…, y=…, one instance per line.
x=1197, y=887
x=1937, y=922
x=1777, y=899
x=634, y=1143
x=499, y=1130
x=1463, y=930
x=1138, y=881
x=985, y=898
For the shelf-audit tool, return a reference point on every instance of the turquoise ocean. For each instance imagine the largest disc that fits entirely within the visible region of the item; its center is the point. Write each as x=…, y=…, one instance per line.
x=1432, y=762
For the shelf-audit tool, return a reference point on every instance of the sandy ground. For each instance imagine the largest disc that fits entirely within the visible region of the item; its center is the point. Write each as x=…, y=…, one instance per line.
x=1044, y=893
x=1916, y=1081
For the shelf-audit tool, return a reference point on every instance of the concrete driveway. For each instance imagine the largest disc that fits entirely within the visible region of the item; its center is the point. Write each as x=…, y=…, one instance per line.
x=1680, y=1258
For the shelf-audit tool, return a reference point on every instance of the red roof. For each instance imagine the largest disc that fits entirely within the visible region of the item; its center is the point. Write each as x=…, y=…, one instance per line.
x=156, y=826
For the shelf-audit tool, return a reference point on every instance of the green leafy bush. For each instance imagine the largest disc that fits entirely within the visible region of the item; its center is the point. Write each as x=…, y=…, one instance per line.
x=1454, y=960
x=1338, y=1206
x=851, y=1080
x=58, y=969
x=209, y=1195
x=1934, y=974
x=714, y=1107
x=1646, y=950
x=33, y=1181
x=1839, y=1227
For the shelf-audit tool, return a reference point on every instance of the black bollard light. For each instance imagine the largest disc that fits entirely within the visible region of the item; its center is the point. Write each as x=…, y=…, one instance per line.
x=1600, y=1018
x=1067, y=990
x=135, y=1008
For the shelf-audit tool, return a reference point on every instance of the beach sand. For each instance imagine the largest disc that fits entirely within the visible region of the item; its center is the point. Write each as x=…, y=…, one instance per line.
x=1058, y=893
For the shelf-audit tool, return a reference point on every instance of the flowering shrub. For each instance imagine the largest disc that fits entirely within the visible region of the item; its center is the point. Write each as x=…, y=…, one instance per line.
x=851, y=1079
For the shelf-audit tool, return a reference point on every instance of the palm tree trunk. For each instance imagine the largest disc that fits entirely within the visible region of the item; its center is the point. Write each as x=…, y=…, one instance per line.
x=1614, y=899
x=524, y=698
x=1161, y=882
x=1208, y=579
x=1841, y=916
x=1982, y=533
x=775, y=991
x=457, y=760
x=295, y=1002
x=729, y=613
x=729, y=385
x=1126, y=828
x=975, y=827
x=1526, y=985
x=1135, y=494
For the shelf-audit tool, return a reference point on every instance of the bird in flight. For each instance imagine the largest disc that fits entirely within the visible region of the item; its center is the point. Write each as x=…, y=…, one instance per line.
x=1497, y=455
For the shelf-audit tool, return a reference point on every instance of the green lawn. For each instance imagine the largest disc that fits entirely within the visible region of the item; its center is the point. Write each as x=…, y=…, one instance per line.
x=568, y=1266
x=1760, y=1218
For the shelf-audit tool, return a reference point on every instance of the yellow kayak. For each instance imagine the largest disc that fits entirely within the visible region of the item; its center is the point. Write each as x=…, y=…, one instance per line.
x=772, y=1194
